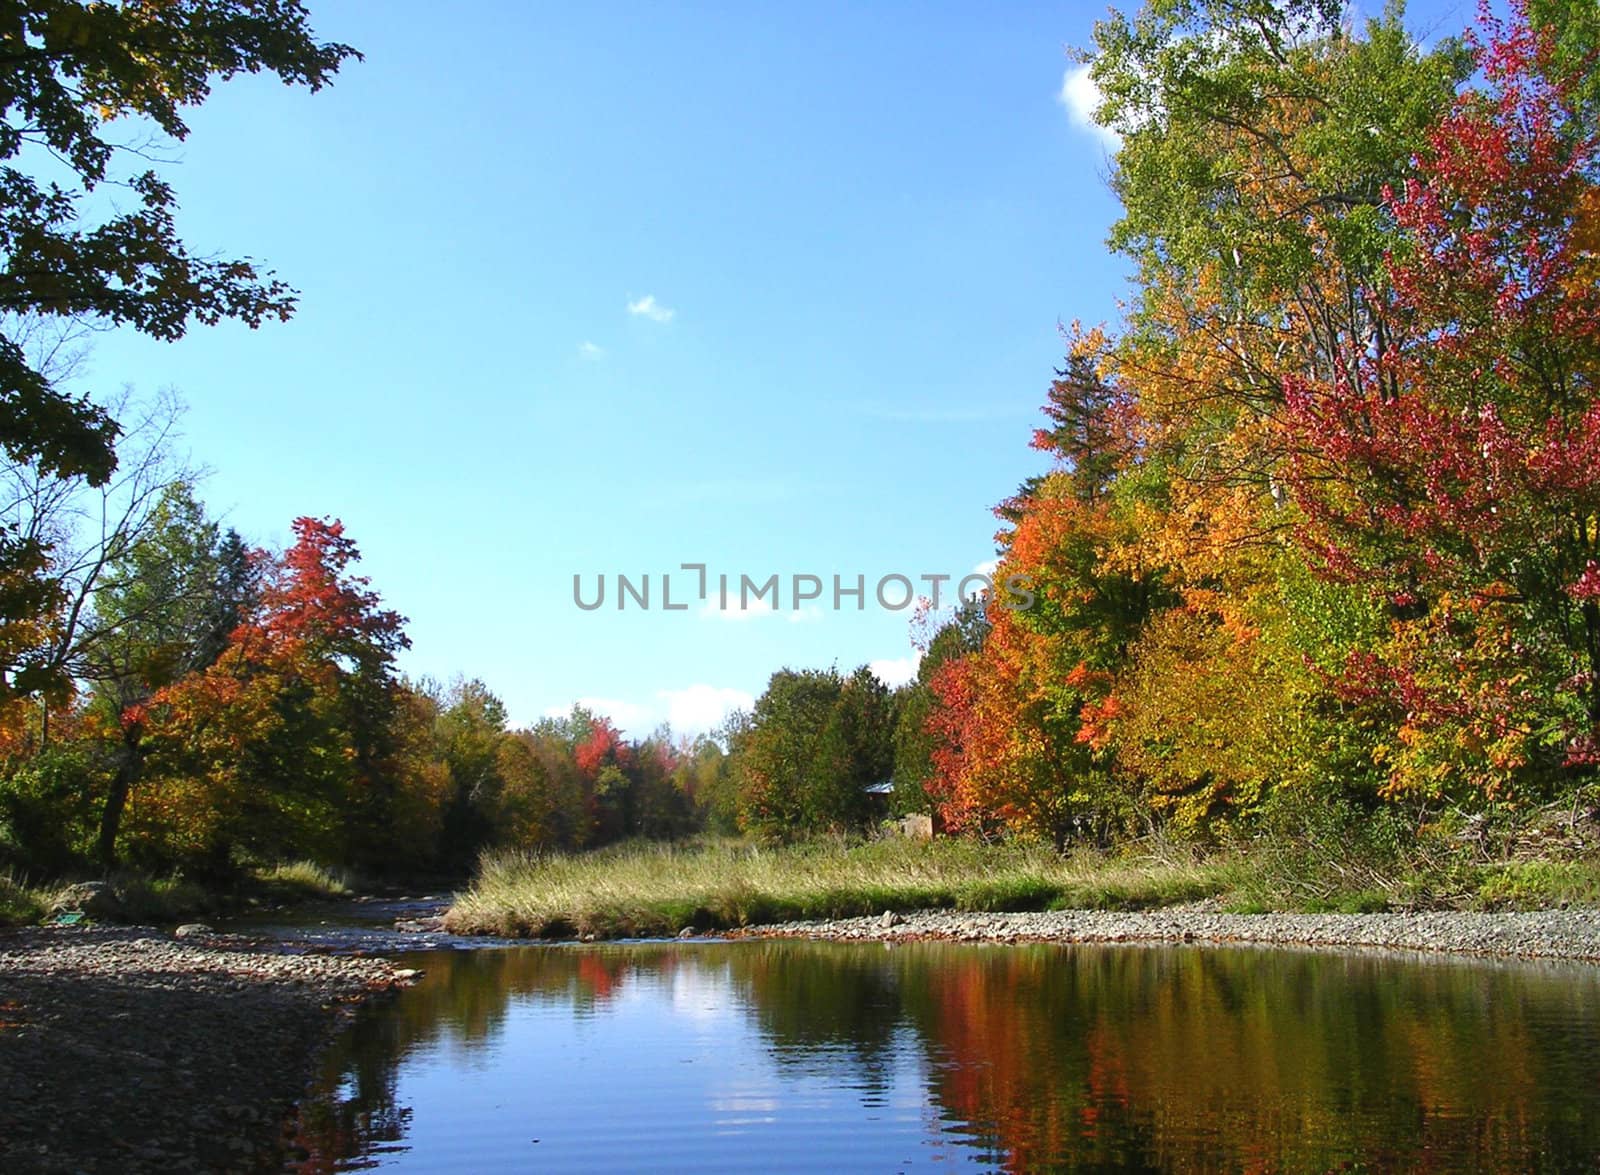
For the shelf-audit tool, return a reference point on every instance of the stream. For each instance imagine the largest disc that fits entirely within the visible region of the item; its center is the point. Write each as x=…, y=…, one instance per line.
x=800, y=1055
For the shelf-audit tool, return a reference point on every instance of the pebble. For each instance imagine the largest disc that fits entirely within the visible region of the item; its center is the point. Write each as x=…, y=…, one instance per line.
x=1542, y=934
x=161, y=1053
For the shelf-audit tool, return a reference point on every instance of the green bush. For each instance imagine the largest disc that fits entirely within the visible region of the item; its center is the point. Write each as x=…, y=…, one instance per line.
x=1536, y=884
x=1348, y=857
x=49, y=810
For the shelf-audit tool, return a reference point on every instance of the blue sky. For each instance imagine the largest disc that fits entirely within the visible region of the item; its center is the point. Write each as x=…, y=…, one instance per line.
x=602, y=289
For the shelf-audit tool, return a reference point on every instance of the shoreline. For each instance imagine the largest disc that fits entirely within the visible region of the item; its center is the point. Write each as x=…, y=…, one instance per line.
x=129, y=1049
x=1572, y=934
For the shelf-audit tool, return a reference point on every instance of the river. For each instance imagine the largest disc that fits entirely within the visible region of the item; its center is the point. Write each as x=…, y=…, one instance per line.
x=795, y=1055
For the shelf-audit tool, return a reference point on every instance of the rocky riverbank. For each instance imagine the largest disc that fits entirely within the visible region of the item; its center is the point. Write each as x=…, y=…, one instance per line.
x=1543, y=934
x=131, y=1050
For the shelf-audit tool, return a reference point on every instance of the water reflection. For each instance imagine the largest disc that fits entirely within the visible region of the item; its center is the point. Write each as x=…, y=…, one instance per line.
x=807, y=1055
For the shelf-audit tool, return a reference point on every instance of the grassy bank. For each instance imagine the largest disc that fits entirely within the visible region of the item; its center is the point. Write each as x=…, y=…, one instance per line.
x=660, y=889
x=654, y=890
x=21, y=904
x=140, y=898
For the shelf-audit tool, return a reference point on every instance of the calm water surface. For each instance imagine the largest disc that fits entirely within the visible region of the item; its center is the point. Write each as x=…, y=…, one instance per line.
x=817, y=1056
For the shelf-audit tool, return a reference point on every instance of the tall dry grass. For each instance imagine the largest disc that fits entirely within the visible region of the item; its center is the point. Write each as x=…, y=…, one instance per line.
x=655, y=889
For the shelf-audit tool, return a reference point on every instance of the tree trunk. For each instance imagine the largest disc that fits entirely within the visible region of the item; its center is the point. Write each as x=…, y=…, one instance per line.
x=1590, y=611
x=130, y=764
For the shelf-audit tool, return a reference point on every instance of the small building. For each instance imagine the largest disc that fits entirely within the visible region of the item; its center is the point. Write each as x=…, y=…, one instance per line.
x=880, y=800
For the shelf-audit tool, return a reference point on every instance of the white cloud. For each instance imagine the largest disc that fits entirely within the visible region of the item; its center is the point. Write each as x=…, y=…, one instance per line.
x=712, y=609
x=698, y=709
x=896, y=671
x=627, y=715
x=591, y=351
x=695, y=709
x=648, y=307
x=1081, y=97
x=987, y=567
x=702, y=992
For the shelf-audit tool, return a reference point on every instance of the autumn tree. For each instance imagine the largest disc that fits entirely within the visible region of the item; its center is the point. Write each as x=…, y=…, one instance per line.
x=1221, y=709
x=1257, y=138
x=572, y=804
x=296, y=739
x=1021, y=736
x=955, y=634
x=166, y=607
x=1457, y=472
x=319, y=612
x=530, y=813
x=605, y=761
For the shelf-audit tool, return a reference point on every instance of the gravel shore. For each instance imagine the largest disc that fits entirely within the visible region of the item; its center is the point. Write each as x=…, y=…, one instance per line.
x=130, y=1050
x=1543, y=934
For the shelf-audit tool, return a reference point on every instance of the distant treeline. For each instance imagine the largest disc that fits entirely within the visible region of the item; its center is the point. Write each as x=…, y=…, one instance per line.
x=229, y=706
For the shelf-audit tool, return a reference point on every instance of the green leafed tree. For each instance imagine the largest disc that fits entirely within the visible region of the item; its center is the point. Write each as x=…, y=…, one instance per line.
x=816, y=741
x=470, y=730
x=78, y=83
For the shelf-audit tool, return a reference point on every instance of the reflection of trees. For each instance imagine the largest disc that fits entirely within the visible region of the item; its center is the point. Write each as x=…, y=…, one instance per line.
x=812, y=1002
x=463, y=998
x=1126, y=1058
x=1179, y=1059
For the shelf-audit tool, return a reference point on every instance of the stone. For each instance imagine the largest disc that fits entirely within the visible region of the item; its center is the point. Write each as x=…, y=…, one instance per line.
x=190, y=929
x=686, y=932
x=890, y=918
x=430, y=925
x=917, y=826
x=95, y=898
